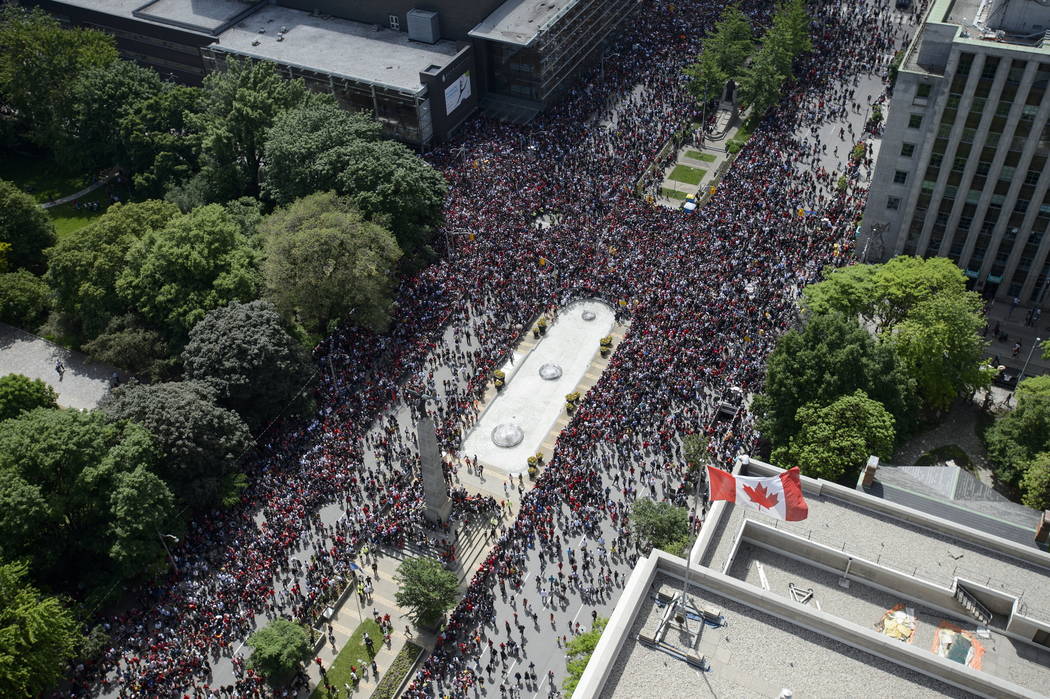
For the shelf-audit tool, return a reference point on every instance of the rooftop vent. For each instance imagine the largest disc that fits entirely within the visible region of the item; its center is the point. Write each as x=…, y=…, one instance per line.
x=423, y=26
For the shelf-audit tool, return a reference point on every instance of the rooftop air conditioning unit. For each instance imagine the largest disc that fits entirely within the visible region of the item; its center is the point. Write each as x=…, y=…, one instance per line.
x=423, y=26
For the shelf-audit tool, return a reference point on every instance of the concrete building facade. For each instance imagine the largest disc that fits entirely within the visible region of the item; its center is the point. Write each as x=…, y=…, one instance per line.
x=961, y=172
x=420, y=68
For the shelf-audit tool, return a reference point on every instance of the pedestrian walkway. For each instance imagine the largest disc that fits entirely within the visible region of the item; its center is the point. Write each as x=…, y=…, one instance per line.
x=82, y=382
x=101, y=182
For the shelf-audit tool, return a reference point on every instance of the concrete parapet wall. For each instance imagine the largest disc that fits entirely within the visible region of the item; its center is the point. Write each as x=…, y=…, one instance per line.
x=995, y=544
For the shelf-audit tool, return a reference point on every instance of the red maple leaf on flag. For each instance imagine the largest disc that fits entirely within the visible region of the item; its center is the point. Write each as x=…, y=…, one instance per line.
x=761, y=497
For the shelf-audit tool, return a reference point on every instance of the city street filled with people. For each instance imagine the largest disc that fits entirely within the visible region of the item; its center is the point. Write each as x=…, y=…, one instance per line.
x=707, y=294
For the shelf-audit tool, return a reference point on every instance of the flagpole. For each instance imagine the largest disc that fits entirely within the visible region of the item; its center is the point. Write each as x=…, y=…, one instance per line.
x=682, y=606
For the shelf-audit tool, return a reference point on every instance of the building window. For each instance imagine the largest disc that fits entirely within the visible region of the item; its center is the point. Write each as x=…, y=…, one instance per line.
x=907, y=150
x=900, y=176
x=915, y=121
x=893, y=203
x=395, y=22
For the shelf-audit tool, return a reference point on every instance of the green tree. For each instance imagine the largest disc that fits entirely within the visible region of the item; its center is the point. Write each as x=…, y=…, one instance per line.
x=426, y=589
x=25, y=299
x=83, y=268
x=24, y=225
x=831, y=356
x=578, y=652
x=763, y=78
x=323, y=263
x=38, y=636
x=279, y=649
x=694, y=450
x=102, y=97
x=239, y=107
x=835, y=441
x=303, y=141
x=141, y=505
x=40, y=63
x=199, y=261
x=788, y=37
x=59, y=472
x=1035, y=483
x=939, y=344
x=393, y=187
x=661, y=525
x=722, y=55
x=1020, y=435
x=254, y=365
x=885, y=294
x=19, y=394
x=200, y=443
x=160, y=148
x=131, y=345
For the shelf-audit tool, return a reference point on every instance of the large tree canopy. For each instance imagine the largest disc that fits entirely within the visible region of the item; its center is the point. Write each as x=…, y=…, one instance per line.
x=723, y=54
x=324, y=263
x=1019, y=436
x=243, y=351
x=835, y=441
x=83, y=268
x=394, y=187
x=199, y=261
x=101, y=98
x=940, y=345
x=38, y=636
x=25, y=299
x=61, y=500
x=885, y=294
x=40, y=64
x=20, y=394
x=426, y=589
x=279, y=649
x=239, y=107
x=25, y=226
x=159, y=147
x=831, y=356
x=661, y=525
x=200, y=443
x=300, y=145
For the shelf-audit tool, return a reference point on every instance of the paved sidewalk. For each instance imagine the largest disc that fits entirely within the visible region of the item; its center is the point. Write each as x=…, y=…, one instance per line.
x=102, y=182
x=81, y=386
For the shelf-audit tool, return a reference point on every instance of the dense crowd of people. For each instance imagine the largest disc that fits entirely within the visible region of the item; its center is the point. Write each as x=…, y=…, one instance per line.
x=555, y=217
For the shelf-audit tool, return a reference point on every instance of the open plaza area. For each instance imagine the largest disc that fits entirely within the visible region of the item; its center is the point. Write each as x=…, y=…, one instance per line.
x=557, y=330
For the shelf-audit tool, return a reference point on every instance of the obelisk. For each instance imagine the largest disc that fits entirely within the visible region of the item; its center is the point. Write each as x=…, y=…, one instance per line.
x=435, y=493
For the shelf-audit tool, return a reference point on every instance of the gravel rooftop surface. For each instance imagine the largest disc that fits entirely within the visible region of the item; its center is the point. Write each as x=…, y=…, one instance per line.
x=1024, y=663
x=756, y=655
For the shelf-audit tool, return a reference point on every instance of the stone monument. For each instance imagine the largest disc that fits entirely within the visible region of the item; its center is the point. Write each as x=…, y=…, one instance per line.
x=435, y=492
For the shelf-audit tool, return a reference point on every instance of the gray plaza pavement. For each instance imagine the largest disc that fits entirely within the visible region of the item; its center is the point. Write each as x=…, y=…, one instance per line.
x=83, y=382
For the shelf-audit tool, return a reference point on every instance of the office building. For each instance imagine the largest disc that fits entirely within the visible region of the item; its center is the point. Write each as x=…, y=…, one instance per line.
x=961, y=170
x=866, y=597
x=422, y=69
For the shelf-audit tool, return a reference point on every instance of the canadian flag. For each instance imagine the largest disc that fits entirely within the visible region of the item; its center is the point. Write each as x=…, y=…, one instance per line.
x=779, y=496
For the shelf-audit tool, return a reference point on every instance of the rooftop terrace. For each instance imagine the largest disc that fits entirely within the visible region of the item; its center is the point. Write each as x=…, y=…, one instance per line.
x=519, y=22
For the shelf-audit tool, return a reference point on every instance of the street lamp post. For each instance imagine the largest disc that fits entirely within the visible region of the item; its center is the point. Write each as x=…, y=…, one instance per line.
x=163, y=543
x=1026, y=361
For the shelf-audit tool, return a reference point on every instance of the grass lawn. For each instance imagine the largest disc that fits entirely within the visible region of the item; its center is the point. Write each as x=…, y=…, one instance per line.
x=697, y=155
x=69, y=218
x=672, y=193
x=687, y=174
x=40, y=176
x=352, y=653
